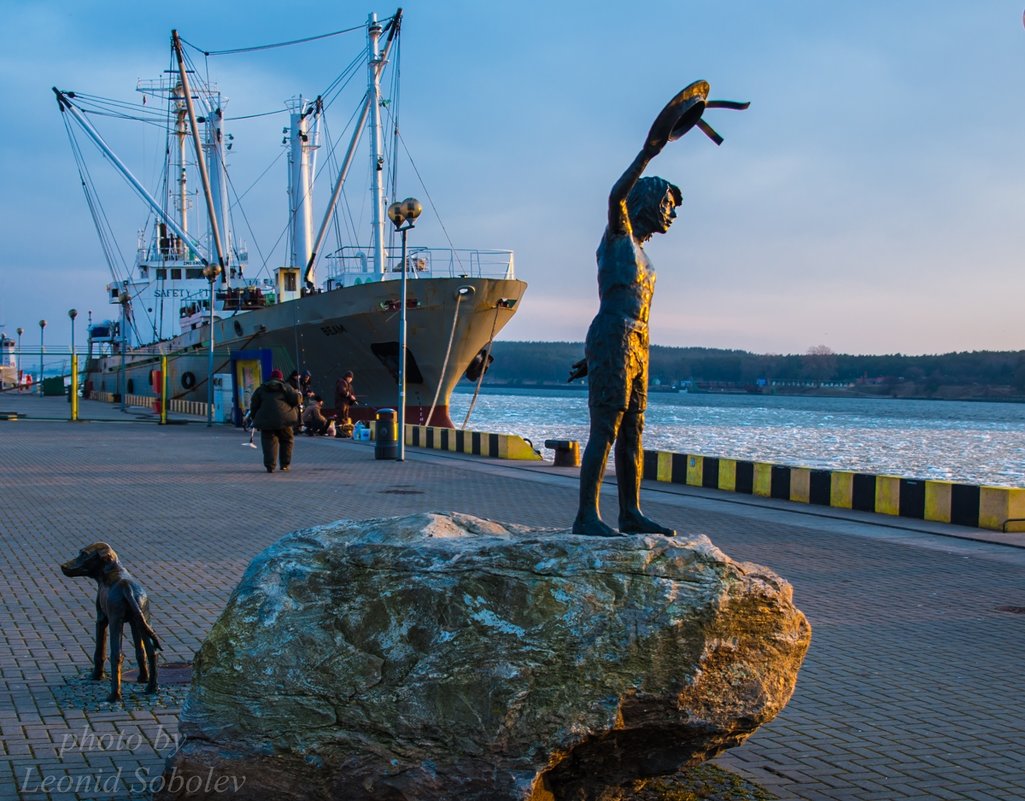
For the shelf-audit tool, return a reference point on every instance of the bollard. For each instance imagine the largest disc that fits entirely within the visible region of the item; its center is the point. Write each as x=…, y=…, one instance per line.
x=567, y=452
x=386, y=429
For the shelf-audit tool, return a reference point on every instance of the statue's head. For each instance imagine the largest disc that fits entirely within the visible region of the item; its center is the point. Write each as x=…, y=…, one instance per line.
x=651, y=205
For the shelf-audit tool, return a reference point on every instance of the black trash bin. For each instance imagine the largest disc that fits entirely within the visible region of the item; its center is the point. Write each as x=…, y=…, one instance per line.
x=386, y=430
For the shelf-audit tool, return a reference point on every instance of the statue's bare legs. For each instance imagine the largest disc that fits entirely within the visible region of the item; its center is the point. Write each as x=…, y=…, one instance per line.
x=629, y=458
x=604, y=426
x=623, y=428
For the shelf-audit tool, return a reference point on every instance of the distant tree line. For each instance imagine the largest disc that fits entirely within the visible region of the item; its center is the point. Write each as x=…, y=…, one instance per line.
x=962, y=374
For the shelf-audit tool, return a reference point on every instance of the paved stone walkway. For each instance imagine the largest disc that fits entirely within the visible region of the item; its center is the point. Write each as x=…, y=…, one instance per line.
x=912, y=688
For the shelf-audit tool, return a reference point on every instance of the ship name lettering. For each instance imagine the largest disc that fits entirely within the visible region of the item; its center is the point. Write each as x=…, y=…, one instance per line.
x=330, y=330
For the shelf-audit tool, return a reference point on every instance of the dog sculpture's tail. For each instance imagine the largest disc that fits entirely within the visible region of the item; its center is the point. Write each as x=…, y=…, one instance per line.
x=138, y=615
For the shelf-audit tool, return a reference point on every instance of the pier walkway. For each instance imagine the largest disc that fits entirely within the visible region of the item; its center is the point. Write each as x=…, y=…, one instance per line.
x=912, y=687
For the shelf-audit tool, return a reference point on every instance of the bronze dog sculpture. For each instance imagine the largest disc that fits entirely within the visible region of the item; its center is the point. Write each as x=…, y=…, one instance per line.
x=119, y=600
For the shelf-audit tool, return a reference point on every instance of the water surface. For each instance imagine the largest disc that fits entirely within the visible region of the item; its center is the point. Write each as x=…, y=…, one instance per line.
x=976, y=443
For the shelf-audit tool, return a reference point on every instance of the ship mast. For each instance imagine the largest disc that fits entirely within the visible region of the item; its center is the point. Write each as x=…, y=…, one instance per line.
x=200, y=158
x=180, y=135
x=304, y=133
x=371, y=101
x=376, y=157
x=218, y=177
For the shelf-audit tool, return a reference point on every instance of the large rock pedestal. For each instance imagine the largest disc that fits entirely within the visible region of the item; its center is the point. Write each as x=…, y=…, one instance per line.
x=449, y=657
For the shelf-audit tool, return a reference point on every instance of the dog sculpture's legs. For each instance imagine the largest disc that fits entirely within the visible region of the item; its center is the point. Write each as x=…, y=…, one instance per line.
x=151, y=657
x=140, y=653
x=116, y=658
x=101, y=646
x=146, y=656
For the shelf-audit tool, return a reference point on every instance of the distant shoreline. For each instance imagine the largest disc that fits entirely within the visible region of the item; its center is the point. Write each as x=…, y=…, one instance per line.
x=465, y=387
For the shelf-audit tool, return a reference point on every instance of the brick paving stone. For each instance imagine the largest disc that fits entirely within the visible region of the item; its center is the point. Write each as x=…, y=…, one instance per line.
x=911, y=689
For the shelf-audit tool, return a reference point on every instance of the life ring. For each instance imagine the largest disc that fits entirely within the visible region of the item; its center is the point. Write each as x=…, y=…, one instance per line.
x=188, y=380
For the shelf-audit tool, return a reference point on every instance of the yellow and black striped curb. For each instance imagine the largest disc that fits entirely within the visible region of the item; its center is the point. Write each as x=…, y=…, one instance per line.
x=995, y=508
x=478, y=443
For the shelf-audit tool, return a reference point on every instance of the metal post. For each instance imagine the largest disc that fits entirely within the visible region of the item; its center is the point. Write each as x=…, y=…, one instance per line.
x=123, y=378
x=74, y=387
x=17, y=364
x=210, y=364
x=163, y=390
x=42, y=350
x=402, y=353
x=73, y=313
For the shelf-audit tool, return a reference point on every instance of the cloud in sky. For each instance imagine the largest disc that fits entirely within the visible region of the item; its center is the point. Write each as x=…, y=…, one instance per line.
x=870, y=200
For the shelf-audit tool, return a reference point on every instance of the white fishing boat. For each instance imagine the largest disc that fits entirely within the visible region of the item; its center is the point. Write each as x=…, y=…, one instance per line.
x=322, y=304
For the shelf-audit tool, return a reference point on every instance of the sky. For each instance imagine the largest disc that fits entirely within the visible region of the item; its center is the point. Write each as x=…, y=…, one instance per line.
x=871, y=200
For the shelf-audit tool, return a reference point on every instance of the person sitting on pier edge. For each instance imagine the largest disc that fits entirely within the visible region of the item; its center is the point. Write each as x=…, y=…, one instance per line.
x=274, y=405
x=313, y=416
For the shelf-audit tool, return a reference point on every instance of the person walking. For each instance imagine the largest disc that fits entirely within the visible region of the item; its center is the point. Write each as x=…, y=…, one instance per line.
x=274, y=407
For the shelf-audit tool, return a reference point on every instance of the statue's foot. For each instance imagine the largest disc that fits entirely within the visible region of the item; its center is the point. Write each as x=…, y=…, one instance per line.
x=594, y=527
x=639, y=524
x=151, y=688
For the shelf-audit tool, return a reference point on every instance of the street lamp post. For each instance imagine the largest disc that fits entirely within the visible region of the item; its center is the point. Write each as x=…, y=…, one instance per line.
x=72, y=313
x=403, y=212
x=42, y=326
x=17, y=364
x=211, y=271
x=72, y=398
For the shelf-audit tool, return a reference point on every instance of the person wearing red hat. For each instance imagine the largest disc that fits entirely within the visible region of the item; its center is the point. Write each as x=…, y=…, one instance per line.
x=274, y=407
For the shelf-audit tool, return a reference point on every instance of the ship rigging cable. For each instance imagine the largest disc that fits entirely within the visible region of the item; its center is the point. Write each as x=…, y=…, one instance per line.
x=255, y=48
x=104, y=229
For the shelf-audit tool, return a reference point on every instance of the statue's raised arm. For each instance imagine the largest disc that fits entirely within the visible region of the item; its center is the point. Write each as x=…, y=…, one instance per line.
x=680, y=114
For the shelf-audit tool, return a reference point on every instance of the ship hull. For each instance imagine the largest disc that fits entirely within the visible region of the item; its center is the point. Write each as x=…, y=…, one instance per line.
x=355, y=328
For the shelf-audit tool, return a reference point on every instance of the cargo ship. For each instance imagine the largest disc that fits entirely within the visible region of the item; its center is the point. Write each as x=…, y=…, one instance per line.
x=324, y=305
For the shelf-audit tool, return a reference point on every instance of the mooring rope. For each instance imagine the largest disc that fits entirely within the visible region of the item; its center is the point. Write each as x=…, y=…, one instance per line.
x=484, y=368
x=448, y=352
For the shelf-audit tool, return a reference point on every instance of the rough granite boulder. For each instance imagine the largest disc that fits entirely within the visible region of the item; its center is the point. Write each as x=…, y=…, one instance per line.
x=442, y=656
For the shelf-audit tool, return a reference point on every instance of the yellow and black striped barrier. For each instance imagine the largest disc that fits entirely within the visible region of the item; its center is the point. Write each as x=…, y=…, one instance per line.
x=996, y=508
x=477, y=443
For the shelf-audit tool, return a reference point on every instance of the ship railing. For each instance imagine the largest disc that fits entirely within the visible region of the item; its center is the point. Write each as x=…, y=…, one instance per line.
x=351, y=262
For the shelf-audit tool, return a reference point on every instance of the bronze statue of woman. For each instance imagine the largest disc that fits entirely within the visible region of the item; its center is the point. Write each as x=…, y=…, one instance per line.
x=616, y=348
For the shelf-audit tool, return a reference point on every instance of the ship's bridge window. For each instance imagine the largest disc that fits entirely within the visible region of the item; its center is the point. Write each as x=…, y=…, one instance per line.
x=290, y=282
x=161, y=274
x=176, y=274
x=193, y=273
x=143, y=271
